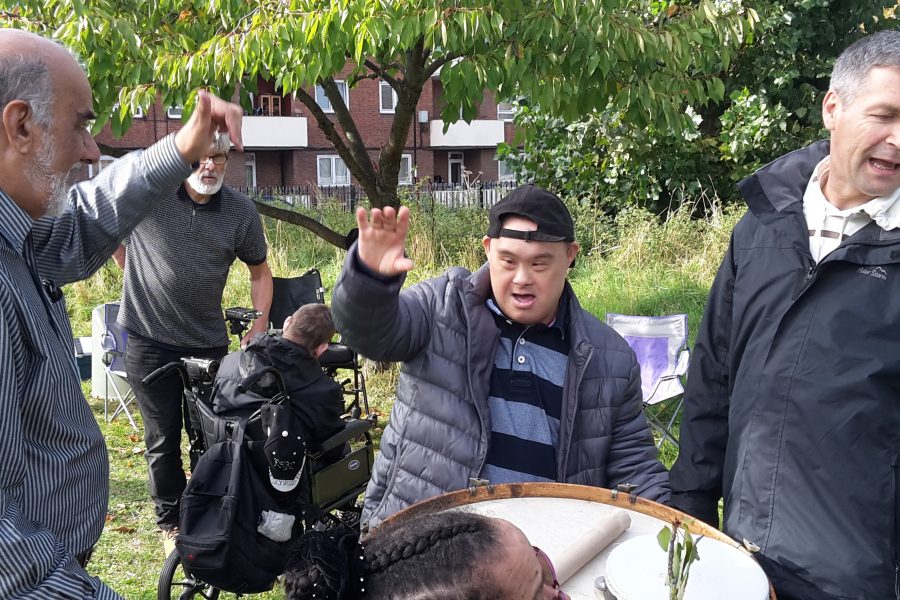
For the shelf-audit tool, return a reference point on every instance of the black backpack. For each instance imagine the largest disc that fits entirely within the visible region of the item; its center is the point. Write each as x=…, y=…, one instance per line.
x=220, y=510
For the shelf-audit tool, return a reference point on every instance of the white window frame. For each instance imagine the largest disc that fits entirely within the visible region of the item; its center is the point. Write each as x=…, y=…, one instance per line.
x=96, y=168
x=321, y=97
x=506, y=111
x=408, y=179
x=175, y=111
x=381, y=107
x=508, y=176
x=452, y=159
x=335, y=160
x=250, y=161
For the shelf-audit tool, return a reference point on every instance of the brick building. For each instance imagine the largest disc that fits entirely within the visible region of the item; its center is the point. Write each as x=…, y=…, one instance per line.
x=283, y=146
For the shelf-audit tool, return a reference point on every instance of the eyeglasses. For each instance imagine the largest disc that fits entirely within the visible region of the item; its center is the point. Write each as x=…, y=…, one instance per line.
x=549, y=574
x=217, y=159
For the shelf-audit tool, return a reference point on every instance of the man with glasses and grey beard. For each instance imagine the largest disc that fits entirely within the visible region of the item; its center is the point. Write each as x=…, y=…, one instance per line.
x=54, y=469
x=176, y=265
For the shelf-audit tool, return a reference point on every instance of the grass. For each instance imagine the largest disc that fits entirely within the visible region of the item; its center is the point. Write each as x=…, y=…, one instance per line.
x=636, y=264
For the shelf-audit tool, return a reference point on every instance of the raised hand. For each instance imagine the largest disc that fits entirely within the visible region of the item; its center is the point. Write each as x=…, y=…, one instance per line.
x=382, y=238
x=211, y=114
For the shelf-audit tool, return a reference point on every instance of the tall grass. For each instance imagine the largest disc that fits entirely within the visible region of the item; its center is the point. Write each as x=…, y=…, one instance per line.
x=635, y=264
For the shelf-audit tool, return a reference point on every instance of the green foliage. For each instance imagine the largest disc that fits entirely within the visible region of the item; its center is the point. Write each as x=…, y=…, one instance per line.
x=642, y=61
x=682, y=553
x=769, y=104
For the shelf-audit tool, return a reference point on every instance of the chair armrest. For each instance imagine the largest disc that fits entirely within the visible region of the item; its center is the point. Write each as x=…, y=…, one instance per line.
x=354, y=428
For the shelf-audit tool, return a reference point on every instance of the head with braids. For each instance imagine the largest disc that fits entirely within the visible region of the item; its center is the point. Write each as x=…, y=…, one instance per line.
x=442, y=556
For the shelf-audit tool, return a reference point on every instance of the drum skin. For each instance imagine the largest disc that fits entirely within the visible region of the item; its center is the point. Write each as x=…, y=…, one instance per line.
x=612, y=498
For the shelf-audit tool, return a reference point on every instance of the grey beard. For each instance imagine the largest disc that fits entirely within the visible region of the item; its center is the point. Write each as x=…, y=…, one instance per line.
x=41, y=177
x=201, y=188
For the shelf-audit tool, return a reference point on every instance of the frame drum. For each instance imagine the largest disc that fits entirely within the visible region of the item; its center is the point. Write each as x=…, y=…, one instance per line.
x=554, y=515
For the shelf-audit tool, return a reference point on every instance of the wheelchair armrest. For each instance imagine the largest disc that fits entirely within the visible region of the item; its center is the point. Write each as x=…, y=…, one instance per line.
x=336, y=355
x=354, y=428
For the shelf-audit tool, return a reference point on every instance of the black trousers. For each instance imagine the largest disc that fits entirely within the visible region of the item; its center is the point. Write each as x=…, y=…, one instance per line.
x=161, y=410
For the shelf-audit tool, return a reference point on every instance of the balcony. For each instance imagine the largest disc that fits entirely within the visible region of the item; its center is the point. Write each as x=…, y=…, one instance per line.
x=265, y=133
x=477, y=134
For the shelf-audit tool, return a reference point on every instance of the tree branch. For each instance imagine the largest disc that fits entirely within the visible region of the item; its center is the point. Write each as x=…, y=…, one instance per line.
x=296, y=218
x=364, y=173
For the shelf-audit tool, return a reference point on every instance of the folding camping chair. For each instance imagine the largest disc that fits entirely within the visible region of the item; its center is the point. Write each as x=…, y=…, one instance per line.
x=660, y=344
x=113, y=342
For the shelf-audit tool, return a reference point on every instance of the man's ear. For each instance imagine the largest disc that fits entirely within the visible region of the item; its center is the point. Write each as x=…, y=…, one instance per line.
x=572, y=251
x=831, y=104
x=320, y=349
x=486, y=244
x=287, y=321
x=19, y=126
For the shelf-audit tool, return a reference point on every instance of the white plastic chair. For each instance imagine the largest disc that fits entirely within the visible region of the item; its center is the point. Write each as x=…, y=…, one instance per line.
x=113, y=344
x=660, y=344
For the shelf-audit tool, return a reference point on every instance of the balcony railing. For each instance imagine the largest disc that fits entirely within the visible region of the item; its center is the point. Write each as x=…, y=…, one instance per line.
x=481, y=195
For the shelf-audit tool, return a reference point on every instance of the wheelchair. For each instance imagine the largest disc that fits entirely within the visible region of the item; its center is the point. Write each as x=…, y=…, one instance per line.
x=332, y=489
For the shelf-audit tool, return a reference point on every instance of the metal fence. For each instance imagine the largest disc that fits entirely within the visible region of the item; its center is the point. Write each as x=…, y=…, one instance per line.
x=481, y=195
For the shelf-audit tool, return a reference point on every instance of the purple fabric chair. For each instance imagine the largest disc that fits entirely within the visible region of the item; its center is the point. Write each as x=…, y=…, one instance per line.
x=660, y=344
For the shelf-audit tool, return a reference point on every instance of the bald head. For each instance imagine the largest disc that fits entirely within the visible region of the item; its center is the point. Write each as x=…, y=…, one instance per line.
x=45, y=101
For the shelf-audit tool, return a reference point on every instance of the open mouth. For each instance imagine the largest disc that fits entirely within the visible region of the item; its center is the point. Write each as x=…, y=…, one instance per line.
x=883, y=166
x=523, y=301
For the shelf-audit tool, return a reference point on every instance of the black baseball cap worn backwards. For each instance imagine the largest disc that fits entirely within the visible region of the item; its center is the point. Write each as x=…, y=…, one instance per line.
x=546, y=210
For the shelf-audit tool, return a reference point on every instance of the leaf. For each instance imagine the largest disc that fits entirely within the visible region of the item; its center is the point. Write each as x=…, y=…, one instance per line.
x=663, y=537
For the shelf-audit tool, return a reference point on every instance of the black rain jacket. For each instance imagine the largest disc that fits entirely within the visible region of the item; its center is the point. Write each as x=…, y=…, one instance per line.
x=792, y=408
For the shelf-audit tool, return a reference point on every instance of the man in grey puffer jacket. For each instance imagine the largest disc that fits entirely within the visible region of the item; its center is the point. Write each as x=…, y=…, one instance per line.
x=505, y=377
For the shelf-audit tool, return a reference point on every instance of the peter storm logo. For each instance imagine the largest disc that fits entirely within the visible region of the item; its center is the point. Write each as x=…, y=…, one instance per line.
x=876, y=272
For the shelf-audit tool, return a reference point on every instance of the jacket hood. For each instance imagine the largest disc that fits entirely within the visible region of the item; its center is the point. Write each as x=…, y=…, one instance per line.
x=284, y=355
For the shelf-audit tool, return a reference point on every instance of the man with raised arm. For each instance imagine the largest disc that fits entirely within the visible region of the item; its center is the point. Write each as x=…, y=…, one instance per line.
x=505, y=377
x=54, y=470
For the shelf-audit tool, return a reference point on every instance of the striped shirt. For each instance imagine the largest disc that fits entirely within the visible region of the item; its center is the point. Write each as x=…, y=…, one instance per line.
x=525, y=399
x=177, y=265
x=54, y=470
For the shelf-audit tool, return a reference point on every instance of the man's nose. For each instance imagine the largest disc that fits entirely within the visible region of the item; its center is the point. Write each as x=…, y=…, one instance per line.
x=91, y=152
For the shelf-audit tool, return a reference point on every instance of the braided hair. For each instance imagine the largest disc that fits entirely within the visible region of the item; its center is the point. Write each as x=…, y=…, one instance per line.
x=433, y=557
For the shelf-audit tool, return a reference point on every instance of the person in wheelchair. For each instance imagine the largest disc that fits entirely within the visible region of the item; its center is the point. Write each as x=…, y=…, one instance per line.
x=451, y=555
x=315, y=400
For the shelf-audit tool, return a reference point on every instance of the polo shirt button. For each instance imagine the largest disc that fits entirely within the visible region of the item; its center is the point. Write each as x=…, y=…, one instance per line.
x=521, y=360
x=521, y=341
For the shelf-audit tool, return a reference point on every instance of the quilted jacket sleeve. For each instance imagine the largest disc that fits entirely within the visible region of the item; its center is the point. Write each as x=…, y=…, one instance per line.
x=632, y=455
x=375, y=318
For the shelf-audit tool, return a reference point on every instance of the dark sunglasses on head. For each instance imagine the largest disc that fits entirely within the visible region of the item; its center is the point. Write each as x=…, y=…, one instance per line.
x=549, y=574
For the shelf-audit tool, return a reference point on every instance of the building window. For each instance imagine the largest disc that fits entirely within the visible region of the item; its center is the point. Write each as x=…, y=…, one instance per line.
x=504, y=173
x=506, y=111
x=323, y=101
x=270, y=105
x=174, y=112
x=456, y=165
x=250, y=169
x=387, y=97
x=137, y=114
x=332, y=171
x=405, y=176
x=104, y=162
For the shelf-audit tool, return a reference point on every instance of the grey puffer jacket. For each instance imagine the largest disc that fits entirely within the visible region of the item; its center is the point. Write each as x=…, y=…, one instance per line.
x=439, y=428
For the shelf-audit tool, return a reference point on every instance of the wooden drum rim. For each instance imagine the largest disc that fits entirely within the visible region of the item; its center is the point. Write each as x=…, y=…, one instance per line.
x=619, y=499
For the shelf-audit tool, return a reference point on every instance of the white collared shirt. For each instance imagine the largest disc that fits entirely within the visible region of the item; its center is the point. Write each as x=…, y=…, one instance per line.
x=829, y=226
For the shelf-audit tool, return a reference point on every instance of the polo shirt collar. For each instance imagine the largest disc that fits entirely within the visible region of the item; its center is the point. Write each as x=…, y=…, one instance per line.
x=559, y=322
x=212, y=204
x=15, y=223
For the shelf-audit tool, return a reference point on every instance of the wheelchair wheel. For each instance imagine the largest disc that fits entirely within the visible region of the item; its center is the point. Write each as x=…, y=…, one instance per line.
x=175, y=584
